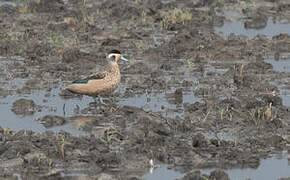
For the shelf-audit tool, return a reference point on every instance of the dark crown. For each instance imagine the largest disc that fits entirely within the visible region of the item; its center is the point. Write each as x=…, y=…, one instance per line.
x=114, y=51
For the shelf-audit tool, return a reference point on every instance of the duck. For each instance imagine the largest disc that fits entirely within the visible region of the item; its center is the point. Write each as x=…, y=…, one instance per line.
x=100, y=83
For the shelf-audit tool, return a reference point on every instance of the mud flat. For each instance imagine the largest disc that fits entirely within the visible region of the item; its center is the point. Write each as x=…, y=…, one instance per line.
x=198, y=96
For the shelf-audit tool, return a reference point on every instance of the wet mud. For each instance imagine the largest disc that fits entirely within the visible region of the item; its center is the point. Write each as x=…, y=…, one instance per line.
x=190, y=97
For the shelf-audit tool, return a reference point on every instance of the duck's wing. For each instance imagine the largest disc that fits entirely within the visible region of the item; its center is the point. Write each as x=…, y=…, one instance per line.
x=94, y=76
x=98, y=75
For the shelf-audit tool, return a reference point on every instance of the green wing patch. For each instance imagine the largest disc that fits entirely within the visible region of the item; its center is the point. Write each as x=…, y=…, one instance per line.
x=81, y=81
x=100, y=75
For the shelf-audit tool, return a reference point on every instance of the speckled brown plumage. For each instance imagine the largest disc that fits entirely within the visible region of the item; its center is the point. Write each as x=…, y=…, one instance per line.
x=99, y=83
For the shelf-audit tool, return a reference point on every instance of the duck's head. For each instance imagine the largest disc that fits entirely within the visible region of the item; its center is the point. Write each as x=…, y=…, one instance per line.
x=116, y=55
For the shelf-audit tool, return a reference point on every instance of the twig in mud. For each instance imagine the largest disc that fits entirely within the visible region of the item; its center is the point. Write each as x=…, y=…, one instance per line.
x=167, y=122
x=222, y=114
x=63, y=143
x=242, y=70
x=63, y=109
x=205, y=116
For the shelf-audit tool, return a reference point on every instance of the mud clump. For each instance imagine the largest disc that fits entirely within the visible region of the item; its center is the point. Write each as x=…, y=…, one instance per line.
x=178, y=96
x=121, y=11
x=71, y=55
x=194, y=175
x=24, y=107
x=219, y=174
x=216, y=174
x=52, y=6
x=50, y=120
x=256, y=23
x=66, y=94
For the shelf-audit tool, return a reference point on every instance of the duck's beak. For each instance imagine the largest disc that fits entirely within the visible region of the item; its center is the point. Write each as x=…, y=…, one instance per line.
x=124, y=59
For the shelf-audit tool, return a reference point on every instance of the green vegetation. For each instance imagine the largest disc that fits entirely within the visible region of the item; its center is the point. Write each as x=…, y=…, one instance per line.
x=175, y=16
x=144, y=17
x=225, y=113
x=190, y=62
x=59, y=40
x=256, y=115
x=142, y=45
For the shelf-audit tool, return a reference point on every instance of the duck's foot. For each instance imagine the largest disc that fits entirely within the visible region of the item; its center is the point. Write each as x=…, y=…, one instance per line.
x=102, y=102
x=99, y=101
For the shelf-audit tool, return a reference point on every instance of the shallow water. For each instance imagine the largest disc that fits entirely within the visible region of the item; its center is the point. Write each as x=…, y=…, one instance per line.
x=53, y=106
x=269, y=169
x=285, y=95
x=280, y=65
x=158, y=102
x=163, y=173
x=164, y=101
x=6, y=3
x=235, y=24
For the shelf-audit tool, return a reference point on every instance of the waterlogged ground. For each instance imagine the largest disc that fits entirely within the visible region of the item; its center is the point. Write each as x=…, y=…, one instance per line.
x=206, y=94
x=264, y=171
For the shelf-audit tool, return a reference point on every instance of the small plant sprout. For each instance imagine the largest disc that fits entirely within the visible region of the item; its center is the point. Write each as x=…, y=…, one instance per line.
x=39, y=159
x=62, y=146
x=225, y=113
x=242, y=69
x=151, y=163
x=50, y=163
x=268, y=112
x=190, y=62
x=256, y=115
x=144, y=17
x=63, y=143
x=222, y=111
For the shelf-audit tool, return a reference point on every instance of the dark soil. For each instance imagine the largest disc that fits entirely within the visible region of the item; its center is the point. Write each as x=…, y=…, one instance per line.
x=174, y=50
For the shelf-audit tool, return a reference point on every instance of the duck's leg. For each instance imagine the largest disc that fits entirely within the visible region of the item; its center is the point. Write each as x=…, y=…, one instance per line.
x=100, y=99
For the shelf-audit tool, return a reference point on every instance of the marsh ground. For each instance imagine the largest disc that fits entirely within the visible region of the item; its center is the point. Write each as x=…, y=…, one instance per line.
x=193, y=96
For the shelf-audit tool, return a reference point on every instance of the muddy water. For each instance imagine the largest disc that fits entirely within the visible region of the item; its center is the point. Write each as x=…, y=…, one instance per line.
x=238, y=28
x=190, y=95
x=282, y=65
x=162, y=172
x=236, y=25
x=285, y=95
x=6, y=3
x=158, y=102
x=271, y=168
x=54, y=105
